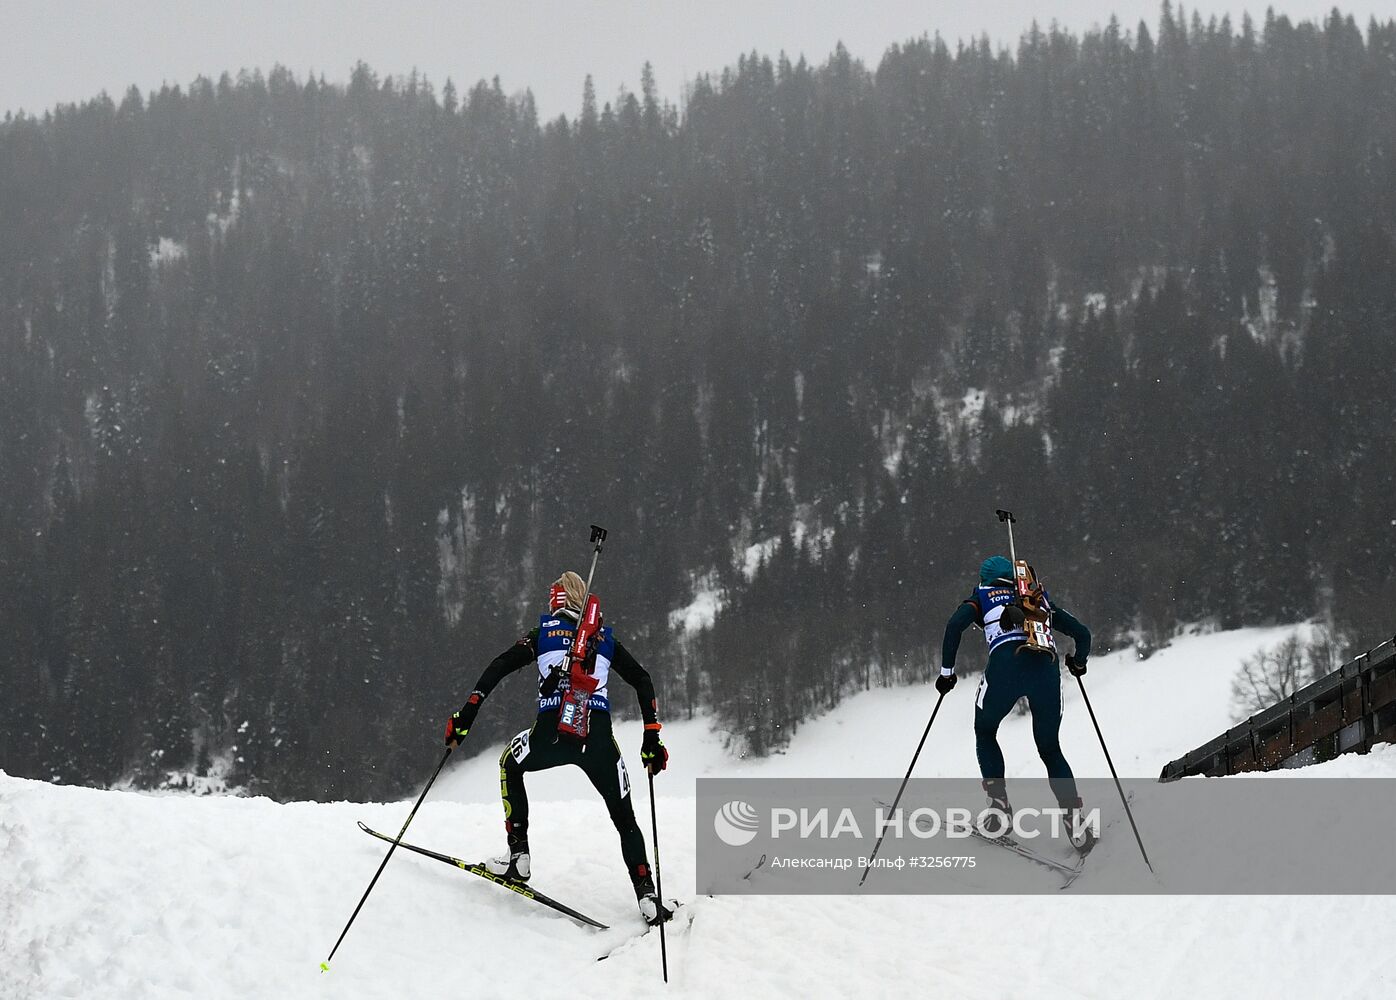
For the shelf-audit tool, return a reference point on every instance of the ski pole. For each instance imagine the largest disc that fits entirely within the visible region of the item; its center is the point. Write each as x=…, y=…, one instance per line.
x=1121, y=790
x=658, y=881
x=878, y=846
x=325, y=965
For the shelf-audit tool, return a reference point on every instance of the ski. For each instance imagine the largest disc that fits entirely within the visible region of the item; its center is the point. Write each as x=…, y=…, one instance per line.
x=1060, y=867
x=518, y=888
x=1072, y=872
x=682, y=918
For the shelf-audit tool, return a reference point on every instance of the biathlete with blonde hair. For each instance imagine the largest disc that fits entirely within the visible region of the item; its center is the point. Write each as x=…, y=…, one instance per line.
x=543, y=747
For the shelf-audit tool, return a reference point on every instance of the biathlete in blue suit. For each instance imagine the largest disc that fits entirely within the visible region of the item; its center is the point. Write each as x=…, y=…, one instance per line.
x=1015, y=671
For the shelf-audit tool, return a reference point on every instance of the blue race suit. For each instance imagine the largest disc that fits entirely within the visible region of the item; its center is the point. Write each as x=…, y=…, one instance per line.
x=1014, y=672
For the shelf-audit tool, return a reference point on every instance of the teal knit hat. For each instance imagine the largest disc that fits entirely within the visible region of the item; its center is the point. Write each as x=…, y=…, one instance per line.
x=995, y=568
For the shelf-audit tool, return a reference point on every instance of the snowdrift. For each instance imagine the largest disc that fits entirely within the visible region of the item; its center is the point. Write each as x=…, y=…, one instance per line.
x=125, y=895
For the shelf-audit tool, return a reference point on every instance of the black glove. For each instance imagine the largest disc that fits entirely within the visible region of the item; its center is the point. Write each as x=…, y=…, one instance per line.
x=1077, y=667
x=652, y=752
x=459, y=724
x=945, y=683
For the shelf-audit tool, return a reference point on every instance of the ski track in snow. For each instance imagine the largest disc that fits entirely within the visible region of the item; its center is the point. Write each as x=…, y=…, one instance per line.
x=144, y=897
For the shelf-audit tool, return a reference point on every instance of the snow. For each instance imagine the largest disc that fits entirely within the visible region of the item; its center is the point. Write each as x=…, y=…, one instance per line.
x=220, y=224
x=701, y=612
x=758, y=553
x=143, y=896
x=215, y=781
x=451, y=547
x=167, y=250
x=815, y=542
x=1262, y=326
x=972, y=406
x=893, y=439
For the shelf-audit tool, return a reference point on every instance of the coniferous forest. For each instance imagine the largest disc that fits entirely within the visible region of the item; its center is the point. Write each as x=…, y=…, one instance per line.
x=308, y=391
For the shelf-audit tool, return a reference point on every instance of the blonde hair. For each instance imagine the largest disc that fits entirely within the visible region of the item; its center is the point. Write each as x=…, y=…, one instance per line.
x=575, y=586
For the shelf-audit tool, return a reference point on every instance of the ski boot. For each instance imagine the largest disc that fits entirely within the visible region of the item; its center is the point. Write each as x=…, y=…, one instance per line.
x=1078, y=831
x=653, y=910
x=516, y=866
x=997, y=819
x=651, y=907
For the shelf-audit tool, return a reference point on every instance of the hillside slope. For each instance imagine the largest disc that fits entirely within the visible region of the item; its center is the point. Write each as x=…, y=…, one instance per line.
x=138, y=896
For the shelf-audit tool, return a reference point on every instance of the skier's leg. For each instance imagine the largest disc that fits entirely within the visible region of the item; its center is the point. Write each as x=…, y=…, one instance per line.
x=993, y=701
x=512, y=764
x=605, y=766
x=519, y=757
x=1045, y=701
x=998, y=692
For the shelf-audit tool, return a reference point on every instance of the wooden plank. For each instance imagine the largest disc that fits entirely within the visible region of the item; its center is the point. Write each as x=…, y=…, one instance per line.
x=1352, y=704
x=1324, y=722
x=1270, y=752
x=1382, y=691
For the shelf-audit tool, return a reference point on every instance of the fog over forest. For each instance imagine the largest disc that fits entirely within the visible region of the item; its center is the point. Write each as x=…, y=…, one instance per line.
x=308, y=391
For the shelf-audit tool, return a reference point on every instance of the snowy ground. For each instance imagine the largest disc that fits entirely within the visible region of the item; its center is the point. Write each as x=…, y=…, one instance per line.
x=135, y=896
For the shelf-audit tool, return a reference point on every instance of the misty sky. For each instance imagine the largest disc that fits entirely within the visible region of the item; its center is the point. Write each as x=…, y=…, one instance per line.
x=55, y=51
